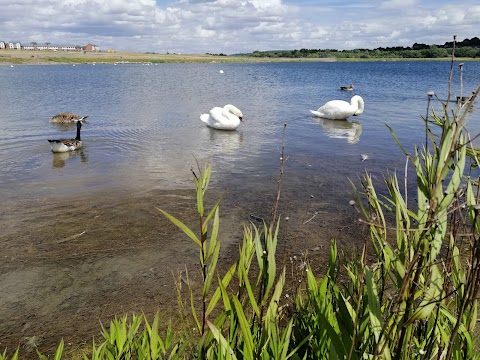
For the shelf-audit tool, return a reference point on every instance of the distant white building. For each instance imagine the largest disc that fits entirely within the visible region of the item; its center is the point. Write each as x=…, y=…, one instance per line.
x=51, y=47
x=14, y=46
x=69, y=48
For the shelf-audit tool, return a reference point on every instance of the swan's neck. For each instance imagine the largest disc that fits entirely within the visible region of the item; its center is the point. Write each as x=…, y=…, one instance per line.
x=359, y=104
x=228, y=112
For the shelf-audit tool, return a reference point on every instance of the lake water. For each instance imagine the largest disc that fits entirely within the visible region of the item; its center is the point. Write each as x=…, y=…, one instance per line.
x=144, y=129
x=81, y=239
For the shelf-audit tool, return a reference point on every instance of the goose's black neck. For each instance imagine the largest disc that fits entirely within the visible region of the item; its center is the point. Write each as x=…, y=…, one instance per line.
x=79, y=126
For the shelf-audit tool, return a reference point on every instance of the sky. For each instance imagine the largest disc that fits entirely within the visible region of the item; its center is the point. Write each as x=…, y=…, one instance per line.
x=237, y=26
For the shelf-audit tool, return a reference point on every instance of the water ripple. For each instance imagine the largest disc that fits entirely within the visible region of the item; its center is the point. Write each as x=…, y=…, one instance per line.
x=144, y=131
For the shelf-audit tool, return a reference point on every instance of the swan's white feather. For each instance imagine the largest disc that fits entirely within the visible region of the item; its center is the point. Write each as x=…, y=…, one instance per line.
x=227, y=118
x=339, y=109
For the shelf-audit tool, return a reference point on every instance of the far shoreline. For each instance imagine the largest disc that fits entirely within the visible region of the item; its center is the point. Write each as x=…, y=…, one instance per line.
x=26, y=57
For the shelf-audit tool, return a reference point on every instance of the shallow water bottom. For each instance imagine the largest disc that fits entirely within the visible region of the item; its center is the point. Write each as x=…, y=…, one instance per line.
x=69, y=264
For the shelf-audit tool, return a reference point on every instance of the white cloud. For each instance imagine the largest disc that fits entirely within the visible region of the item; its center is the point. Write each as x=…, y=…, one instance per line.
x=232, y=26
x=398, y=4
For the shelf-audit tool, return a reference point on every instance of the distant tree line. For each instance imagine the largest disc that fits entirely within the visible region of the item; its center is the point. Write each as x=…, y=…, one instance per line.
x=221, y=54
x=469, y=48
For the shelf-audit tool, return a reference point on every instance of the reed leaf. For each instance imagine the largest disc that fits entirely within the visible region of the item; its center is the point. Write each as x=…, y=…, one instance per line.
x=182, y=227
x=14, y=356
x=59, y=351
x=218, y=292
x=373, y=305
x=211, y=269
x=214, y=241
x=271, y=248
x=251, y=295
x=155, y=342
x=272, y=310
x=430, y=297
x=227, y=351
x=207, y=173
x=200, y=193
x=248, y=343
x=211, y=213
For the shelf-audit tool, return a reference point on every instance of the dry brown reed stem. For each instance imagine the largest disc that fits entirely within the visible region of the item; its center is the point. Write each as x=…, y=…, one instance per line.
x=279, y=182
x=451, y=72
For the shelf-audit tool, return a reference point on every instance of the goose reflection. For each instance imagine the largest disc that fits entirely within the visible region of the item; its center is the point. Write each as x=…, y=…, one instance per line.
x=341, y=129
x=59, y=159
x=223, y=141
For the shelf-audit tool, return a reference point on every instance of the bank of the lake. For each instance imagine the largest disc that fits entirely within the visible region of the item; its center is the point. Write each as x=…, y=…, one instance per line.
x=15, y=57
x=24, y=57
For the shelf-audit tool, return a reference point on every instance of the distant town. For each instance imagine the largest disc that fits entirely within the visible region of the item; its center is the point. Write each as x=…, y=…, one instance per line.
x=15, y=45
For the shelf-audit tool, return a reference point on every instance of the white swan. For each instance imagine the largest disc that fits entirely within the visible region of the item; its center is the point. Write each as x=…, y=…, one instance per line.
x=339, y=109
x=64, y=145
x=227, y=118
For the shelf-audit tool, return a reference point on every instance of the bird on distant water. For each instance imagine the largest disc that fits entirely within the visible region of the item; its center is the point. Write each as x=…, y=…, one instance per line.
x=227, y=118
x=339, y=109
x=347, y=88
x=64, y=145
x=67, y=118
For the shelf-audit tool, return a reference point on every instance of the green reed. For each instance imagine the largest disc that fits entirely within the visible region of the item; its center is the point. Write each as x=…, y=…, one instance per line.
x=418, y=299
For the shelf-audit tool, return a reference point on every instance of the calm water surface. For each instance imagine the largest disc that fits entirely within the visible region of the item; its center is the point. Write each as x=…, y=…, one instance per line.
x=144, y=129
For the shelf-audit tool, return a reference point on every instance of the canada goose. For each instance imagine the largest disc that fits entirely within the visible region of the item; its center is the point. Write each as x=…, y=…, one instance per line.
x=339, y=109
x=347, y=88
x=64, y=145
x=67, y=118
x=226, y=118
x=465, y=99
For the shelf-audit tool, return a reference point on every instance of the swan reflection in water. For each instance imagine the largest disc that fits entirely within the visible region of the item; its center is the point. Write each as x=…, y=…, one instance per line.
x=341, y=129
x=59, y=159
x=223, y=141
